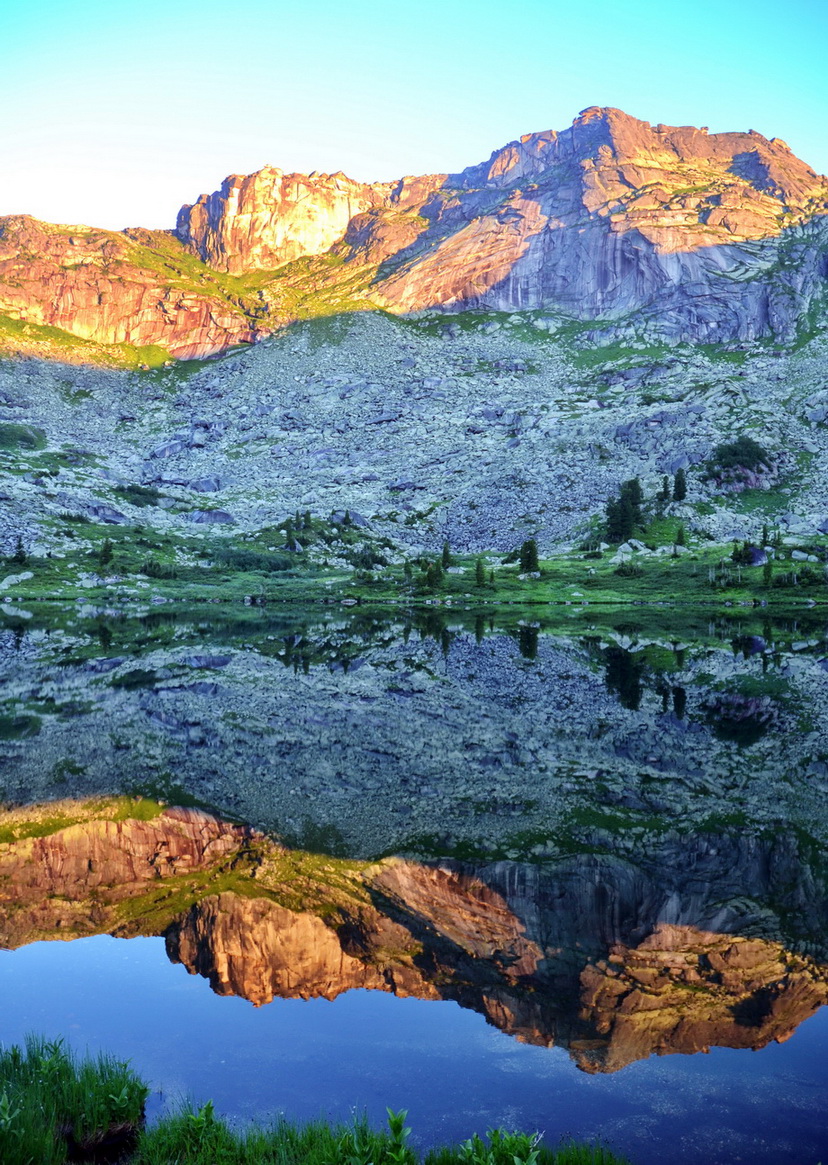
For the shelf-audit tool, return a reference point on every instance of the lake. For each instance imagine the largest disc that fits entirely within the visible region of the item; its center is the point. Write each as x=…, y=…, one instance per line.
x=563, y=872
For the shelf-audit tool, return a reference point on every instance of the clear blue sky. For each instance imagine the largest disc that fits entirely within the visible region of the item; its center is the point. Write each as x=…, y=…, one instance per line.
x=115, y=114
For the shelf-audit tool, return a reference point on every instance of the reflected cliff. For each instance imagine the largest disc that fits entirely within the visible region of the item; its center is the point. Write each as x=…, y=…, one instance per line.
x=668, y=943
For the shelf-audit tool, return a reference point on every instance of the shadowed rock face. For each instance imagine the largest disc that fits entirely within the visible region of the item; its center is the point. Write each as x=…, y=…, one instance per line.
x=614, y=958
x=710, y=236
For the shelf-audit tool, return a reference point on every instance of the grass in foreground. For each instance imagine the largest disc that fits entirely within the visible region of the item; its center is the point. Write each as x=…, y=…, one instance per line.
x=55, y=1109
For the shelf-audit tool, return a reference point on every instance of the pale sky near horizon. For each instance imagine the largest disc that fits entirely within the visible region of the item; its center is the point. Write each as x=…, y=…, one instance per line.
x=115, y=114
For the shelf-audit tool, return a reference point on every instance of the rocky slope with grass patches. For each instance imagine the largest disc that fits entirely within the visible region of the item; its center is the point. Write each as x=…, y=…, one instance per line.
x=131, y=290
x=484, y=430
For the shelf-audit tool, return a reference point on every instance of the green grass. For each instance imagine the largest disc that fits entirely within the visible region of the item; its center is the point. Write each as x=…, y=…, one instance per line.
x=21, y=437
x=19, y=727
x=55, y=1108
x=52, y=343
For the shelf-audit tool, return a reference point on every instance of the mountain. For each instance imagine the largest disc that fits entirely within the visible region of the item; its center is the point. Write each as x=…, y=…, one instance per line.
x=697, y=236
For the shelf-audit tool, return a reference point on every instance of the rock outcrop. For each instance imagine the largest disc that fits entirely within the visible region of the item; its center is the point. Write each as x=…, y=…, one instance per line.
x=613, y=215
x=261, y=950
x=71, y=881
x=708, y=237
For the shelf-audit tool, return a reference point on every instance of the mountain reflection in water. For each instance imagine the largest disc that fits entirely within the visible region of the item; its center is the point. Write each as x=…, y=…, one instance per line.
x=687, y=941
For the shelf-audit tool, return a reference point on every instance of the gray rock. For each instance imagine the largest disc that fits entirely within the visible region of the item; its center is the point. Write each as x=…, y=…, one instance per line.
x=106, y=514
x=211, y=517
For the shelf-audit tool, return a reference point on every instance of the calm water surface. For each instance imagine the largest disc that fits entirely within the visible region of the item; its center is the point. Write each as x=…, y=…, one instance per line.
x=567, y=876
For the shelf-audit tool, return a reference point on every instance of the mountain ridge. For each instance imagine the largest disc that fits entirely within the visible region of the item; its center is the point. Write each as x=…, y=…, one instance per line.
x=703, y=237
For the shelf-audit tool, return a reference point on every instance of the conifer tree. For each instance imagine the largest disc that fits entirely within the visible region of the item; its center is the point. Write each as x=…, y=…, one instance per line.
x=479, y=573
x=680, y=486
x=434, y=575
x=620, y=520
x=632, y=492
x=446, y=556
x=529, y=557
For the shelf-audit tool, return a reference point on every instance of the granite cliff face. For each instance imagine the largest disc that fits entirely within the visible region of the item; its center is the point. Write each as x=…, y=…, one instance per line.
x=266, y=219
x=704, y=237
x=612, y=216
x=70, y=882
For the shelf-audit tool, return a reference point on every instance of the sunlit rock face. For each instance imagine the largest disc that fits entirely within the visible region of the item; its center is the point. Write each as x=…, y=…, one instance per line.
x=108, y=288
x=260, y=950
x=268, y=218
x=685, y=990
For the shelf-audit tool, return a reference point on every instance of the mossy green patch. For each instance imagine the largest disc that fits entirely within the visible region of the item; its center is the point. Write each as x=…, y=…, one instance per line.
x=21, y=437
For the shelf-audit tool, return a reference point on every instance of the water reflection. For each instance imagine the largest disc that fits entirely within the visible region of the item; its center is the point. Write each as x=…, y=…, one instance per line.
x=427, y=732
x=674, y=945
x=606, y=834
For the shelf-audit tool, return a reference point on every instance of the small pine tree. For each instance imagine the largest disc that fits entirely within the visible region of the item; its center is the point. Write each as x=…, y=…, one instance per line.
x=765, y=534
x=290, y=540
x=105, y=556
x=346, y=521
x=620, y=519
x=306, y=523
x=767, y=574
x=529, y=557
x=446, y=556
x=680, y=536
x=434, y=575
x=632, y=492
x=679, y=486
x=20, y=557
x=664, y=492
x=479, y=573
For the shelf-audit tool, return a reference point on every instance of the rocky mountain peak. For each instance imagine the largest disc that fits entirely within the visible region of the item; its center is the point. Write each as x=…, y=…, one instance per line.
x=691, y=231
